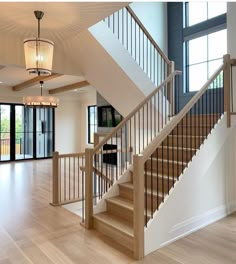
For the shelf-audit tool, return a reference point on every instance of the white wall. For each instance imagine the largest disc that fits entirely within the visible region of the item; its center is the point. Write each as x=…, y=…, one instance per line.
x=67, y=127
x=71, y=124
x=204, y=194
x=153, y=15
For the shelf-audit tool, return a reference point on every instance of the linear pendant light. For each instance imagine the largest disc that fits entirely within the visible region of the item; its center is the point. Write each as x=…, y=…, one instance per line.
x=40, y=100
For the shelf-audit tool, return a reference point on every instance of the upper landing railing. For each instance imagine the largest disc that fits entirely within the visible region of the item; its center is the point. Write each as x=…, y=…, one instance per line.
x=140, y=44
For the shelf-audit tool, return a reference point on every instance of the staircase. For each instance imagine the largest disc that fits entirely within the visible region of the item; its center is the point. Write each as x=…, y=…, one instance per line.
x=156, y=143
x=162, y=170
x=155, y=169
x=155, y=146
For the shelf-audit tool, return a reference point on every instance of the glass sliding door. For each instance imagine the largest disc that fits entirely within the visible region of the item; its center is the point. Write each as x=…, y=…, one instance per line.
x=5, y=135
x=24, y=132
x=44, y=132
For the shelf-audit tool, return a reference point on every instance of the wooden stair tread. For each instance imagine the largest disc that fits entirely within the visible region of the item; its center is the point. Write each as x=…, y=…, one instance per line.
x=128, y=204
x=193, y=123
x=154, y=174
x=178, y=148
x=164, y=177
x=130, y=186
x=183, y=135
x=170, y=161
x=116, y=222
x=197, y=115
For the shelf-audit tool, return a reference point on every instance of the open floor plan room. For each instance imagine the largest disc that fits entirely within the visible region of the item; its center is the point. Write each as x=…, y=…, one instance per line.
x=33, y=231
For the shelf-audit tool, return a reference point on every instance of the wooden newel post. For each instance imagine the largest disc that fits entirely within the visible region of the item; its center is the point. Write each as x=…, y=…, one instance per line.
x=88, y=188
x=138, y=181
x=227, y=64
x=55, y=181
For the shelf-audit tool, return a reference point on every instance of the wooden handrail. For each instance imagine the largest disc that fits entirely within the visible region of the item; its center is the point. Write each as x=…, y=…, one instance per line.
x=99, y=174
x=81, y=154
x=129, y=9
x=138, y=107
x=174, y=122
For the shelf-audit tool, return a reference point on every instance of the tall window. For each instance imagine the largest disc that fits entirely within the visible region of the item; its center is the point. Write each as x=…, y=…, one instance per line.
x=205, y=41
x=197, y=12
x=92, y=123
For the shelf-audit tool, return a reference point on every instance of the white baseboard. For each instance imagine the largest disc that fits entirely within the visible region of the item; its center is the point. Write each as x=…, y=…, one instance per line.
x=195, y=223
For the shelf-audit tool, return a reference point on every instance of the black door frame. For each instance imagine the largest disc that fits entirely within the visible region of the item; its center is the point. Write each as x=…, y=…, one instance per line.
x=13, y=136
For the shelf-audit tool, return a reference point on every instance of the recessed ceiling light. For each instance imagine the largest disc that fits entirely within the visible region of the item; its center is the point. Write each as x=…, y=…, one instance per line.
x=0, y=82
x=75, y=90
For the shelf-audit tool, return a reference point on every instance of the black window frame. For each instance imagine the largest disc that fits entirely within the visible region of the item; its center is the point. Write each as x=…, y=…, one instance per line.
x=203, y=28
x=90, y=123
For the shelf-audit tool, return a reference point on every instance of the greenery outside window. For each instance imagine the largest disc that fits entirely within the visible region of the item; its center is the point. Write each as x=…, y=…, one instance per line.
x=92, y=123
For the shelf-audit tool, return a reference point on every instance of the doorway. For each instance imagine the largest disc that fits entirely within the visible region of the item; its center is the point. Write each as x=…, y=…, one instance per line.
x=26, y=133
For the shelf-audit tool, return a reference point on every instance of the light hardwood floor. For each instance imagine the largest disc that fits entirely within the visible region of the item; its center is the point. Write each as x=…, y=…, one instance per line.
x=32, y=231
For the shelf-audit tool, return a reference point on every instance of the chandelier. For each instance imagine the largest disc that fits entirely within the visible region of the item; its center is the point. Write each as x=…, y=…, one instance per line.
x=41, y=101
x=38, y=52
x=38, y=60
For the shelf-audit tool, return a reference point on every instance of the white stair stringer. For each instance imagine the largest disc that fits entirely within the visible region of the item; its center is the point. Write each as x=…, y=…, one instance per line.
x=203, y=194
x=121, y=56
x=105, y=75
x=111, y=70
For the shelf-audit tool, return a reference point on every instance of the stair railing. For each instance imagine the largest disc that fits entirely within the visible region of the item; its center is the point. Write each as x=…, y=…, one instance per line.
x=114, y=154
x=68, y=179
x=139, y=43
x=199, y=115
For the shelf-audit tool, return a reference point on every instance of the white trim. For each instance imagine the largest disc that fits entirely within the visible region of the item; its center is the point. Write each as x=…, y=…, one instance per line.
x=195, y=223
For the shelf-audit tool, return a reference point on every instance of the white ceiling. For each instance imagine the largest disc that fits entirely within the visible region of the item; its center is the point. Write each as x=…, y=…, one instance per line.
x=12, y=75
x=62, y=20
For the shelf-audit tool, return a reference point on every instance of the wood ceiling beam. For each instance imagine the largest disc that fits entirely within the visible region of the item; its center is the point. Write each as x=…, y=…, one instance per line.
x=69, y=87
x=34, y=81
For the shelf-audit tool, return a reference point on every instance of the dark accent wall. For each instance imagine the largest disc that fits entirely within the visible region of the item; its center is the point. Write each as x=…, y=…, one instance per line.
x=175, y=46
x=175, y=33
